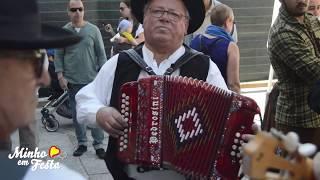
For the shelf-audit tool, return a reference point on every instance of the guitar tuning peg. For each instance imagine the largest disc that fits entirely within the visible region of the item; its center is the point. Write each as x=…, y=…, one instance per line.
x=291, y=142
x=307, y=149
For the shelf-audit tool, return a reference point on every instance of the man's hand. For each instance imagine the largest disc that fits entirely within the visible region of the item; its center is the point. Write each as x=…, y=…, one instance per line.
x=109, y=119
x=63, y=83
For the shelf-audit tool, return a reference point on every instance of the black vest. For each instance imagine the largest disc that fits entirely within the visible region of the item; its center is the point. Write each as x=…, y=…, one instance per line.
x=127, y=70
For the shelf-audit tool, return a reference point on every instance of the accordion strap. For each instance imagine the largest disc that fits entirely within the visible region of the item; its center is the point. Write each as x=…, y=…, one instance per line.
x=187, y=56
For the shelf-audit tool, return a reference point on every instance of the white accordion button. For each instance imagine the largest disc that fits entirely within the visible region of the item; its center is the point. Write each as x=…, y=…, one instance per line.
x=123, y=106
x=121, y=138
x=125, y=141
x=124, y=95
x=126, y=129
x=233, y=153
x=126, y=119
x=234, y=147
x=123, y=101
x=125, y=147
x=122, y=111
x=127, y=97
x=238, y=134
x=121, y=149
x=236, y=141
x=121, y=144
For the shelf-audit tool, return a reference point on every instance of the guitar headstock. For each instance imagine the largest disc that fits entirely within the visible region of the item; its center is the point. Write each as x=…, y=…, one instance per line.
x=276, y=156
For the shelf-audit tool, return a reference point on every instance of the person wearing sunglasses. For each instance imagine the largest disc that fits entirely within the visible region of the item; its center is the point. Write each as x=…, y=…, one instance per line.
x=77, y=65
x=22, y=71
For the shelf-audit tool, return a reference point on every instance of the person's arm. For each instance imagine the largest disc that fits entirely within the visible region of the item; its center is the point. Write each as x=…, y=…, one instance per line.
x=233, y=79
x=96, y=94
x=293, y=51
x=58, y=64
x=99, y=48
x=214, y=76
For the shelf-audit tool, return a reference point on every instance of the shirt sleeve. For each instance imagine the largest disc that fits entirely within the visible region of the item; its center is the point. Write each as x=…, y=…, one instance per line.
x=215, y=77
x=58, y=60
x=296, y=54
x=99, y=48
x=97, y=94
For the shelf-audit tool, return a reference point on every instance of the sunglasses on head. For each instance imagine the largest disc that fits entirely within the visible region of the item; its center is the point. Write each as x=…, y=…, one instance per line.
x=76, y=9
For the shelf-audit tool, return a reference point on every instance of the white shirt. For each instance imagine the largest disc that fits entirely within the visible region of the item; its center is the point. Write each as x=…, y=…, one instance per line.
x=97, y=94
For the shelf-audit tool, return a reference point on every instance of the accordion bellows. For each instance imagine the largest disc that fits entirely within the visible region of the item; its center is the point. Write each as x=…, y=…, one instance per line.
x=184, y=124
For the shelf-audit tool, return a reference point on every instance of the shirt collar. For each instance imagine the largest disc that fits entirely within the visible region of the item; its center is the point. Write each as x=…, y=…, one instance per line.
x=149, y=57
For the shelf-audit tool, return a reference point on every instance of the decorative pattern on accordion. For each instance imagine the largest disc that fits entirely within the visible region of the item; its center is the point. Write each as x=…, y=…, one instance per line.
x=184, y=124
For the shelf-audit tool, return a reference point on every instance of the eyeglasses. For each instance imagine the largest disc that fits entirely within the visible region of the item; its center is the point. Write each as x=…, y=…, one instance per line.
x=80, y=9
x=173, y=16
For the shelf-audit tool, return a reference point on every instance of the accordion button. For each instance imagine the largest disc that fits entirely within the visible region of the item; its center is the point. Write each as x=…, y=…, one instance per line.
x=238, y=134
x=127, y=97
x=126, y=119
x=234, y=147
x=127, y=108
x=123, y=101
x=236, y=141
x=123, y=106
x=126, y=130
x=120, y=149
x=122, y=111
x=240, y=161
x=233, y=153
x=124, y=95
x=125, y=141
x=121, y=138
x=125, y=147
x=127, y=103
x=121, y=144
x=126, y=114
x=125, y=135
x=241, y=142
x=238, y=155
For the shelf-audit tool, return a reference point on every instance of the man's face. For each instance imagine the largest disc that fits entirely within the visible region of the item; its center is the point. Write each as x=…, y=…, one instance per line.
x=19, y=79
x=296, y=8
x=165, y=23
x=76, y=11
x=314, y=7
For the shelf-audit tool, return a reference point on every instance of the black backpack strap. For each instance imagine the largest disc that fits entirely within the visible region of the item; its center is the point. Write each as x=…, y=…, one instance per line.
x=188, y=55
x=138, y=59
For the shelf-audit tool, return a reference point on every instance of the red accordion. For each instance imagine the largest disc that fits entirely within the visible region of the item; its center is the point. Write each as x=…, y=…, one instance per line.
x=185, y=124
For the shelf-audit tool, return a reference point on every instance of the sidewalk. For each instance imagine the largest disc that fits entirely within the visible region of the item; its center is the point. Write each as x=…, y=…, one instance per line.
x=88, y=164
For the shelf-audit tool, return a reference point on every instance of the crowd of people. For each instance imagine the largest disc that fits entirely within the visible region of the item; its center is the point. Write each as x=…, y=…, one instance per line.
x=160, y=32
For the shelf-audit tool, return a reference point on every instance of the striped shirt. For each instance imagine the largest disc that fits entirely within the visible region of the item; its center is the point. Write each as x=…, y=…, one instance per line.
x=295, y=57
